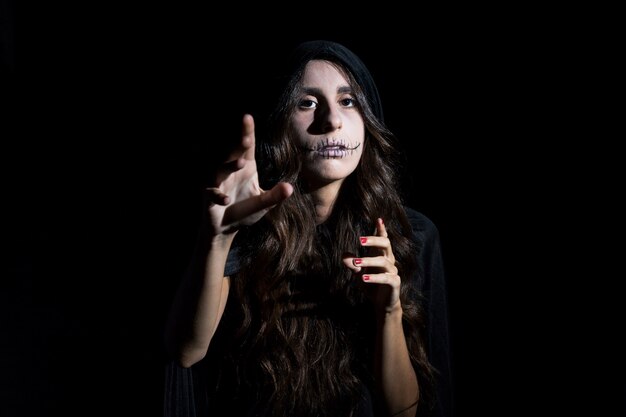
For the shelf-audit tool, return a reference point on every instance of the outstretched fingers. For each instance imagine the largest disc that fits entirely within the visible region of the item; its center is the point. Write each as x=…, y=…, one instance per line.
x=241, y=154
x=248, y=137
x=214, y=196
x=227, y=168
x=257, y=205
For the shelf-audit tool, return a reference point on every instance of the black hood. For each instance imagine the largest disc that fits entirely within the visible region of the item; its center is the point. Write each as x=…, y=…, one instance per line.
x=334, y=52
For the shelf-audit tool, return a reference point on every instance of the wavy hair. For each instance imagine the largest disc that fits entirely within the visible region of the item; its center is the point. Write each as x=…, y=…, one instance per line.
x=306, y=338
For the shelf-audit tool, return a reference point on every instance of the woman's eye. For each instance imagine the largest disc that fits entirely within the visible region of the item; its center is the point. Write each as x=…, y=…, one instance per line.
x=307, y=104
x=348, y=102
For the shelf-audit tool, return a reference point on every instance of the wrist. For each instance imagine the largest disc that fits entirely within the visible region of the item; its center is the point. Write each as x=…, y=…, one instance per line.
x=222, y=241
x=391, y=313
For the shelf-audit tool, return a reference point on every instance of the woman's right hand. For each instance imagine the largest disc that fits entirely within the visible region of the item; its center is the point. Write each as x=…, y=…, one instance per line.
x=236, y=199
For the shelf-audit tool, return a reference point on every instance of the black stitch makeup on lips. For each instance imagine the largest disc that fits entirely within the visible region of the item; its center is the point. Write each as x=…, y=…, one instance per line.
x=334, y=148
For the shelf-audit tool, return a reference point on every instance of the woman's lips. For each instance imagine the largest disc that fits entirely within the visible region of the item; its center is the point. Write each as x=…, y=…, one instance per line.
x=332, y=151
x=332, y=148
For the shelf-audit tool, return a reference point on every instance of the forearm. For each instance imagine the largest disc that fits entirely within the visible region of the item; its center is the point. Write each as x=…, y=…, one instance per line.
x=394, y=369
x=199, y=303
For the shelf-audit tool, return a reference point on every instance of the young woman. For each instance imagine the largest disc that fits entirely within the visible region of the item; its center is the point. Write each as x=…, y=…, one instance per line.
x=322, y=295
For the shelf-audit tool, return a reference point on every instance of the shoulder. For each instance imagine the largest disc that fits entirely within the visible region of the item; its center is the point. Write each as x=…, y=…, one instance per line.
x=423, y=228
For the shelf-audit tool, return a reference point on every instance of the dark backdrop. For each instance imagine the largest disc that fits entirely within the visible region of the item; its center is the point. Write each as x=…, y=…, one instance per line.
x=116, y=113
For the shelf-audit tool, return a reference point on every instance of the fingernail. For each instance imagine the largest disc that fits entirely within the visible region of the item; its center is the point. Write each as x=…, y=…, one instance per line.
x=366, y=277
x=358, y=261
x=363, y=240
x=381, y=221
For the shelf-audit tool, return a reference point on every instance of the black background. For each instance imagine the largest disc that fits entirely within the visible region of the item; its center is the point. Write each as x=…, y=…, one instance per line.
x=116, y=113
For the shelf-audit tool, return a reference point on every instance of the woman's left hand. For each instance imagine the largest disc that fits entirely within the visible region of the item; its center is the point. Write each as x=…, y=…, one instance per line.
x=379, y=271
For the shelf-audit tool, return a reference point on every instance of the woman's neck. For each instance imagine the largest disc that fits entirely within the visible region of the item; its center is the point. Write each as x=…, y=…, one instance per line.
x=324, y=198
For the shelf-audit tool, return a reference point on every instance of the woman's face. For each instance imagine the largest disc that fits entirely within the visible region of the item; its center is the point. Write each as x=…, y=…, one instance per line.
x=328, y=126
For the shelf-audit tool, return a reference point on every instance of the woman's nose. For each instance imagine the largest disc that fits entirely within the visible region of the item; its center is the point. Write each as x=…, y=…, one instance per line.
x=331, y=119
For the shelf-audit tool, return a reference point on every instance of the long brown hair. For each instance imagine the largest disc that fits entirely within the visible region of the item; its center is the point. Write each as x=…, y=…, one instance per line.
x=306, y=340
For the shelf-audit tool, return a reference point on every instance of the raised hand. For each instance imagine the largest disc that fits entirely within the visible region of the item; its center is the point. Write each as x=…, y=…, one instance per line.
x=236, y=199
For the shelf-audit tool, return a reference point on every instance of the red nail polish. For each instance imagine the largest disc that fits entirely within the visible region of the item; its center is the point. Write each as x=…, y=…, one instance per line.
x=358, y=261
x=366, y=277
x=363, y=240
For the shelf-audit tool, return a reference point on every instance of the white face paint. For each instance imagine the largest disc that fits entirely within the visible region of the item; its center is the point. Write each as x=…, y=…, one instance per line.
x=328, y=125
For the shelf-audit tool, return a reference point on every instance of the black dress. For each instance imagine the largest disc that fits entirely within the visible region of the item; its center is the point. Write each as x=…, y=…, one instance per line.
x=187, y=389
